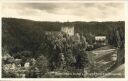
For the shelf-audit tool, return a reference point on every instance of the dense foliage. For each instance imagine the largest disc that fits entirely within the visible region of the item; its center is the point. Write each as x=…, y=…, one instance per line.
x=116, y=38
x=51, y=49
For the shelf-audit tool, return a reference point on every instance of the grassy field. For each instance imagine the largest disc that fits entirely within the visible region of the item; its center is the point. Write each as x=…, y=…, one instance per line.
x=101, y=61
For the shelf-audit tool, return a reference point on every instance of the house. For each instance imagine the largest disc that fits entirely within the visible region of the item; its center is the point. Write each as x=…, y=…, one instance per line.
x=18, y=62
x=27, y=65
x=68, y=29
x=8, y=67
x=100, y=40
x=7, y=56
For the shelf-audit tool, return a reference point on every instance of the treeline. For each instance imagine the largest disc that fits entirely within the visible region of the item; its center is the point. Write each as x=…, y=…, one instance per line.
x=88, y=29
x=95, y=28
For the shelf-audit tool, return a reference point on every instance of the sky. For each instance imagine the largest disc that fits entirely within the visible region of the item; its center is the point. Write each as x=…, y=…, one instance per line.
x=65, y=11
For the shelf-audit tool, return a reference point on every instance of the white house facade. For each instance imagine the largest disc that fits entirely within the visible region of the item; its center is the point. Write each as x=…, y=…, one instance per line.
x=100, y=38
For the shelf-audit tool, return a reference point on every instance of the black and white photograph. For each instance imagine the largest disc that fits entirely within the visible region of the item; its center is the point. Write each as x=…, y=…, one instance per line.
x=63, y=40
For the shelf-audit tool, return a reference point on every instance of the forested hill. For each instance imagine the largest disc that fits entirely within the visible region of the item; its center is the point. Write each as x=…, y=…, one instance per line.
x=28, y=34
x=24, y=23
x=96, y=28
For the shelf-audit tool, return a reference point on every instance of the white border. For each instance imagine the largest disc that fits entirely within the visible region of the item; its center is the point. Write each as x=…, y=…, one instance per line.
x=62, y=1
x=0, y=39
x=126, y=39
x=73, y=79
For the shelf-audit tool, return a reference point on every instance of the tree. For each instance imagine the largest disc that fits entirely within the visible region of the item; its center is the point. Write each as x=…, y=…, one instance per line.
x=80, y=53
x=42, y=65
x=116, y=38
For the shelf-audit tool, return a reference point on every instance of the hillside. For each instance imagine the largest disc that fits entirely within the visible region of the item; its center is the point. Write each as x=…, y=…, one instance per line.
x=22, y=34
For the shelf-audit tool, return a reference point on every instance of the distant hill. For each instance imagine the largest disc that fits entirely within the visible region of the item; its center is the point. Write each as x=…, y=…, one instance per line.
x=97, y=28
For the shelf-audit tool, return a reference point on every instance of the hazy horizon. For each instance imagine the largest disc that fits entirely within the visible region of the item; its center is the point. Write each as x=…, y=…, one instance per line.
x=60, y=21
